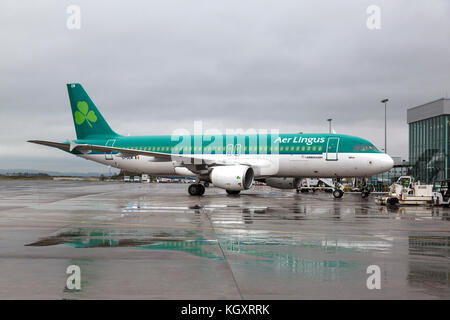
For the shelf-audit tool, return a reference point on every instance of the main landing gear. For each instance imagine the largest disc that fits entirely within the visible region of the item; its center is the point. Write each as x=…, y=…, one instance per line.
x=196, y=189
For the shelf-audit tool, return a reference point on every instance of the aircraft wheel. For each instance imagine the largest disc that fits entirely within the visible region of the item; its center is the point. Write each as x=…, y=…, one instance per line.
x=338, y=193
x=392, y=201
x=364, y=194
x=233, y=191
x=206, y=184
x=201, y=189
x=196, y=189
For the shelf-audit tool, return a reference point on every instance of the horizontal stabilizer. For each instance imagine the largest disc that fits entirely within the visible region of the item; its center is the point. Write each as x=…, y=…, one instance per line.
x=62, y=146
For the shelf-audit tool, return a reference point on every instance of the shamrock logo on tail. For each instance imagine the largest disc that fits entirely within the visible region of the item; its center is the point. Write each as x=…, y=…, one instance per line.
x=84, y=114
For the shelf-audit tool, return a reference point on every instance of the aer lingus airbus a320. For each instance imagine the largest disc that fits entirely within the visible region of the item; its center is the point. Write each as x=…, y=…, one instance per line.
x=231, y=162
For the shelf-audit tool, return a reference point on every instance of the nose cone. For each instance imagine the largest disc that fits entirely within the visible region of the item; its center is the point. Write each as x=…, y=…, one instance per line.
x=386, y=163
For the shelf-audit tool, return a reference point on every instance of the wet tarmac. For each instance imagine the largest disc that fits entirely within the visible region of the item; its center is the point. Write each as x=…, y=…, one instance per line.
x=154, y=241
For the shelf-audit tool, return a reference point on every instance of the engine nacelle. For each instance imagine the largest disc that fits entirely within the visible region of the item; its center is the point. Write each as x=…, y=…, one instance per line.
x=232, y=177
x=284, y=183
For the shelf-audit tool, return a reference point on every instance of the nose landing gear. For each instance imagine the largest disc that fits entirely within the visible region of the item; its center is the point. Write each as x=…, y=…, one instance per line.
x=365, y=191
x=338, y=193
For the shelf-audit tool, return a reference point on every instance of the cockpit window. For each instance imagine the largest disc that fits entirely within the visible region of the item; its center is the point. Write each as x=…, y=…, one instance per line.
x=356, y=147
x=366, y=147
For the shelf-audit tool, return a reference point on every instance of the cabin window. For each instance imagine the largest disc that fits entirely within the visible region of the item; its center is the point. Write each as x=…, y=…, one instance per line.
x=319, y=148
x=309, y=148
x=292, y=148
x=356, y=147
x=314, y=148
x=281, y=148
x=364, y=147
x=297, y=149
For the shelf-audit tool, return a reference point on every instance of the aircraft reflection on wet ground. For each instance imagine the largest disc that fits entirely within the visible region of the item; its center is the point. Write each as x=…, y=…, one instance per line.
x=284, y=245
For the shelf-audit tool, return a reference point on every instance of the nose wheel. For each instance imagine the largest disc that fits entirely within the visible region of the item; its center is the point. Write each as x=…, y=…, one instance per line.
x=337, y=192
x=196, y=189
x=365, y=193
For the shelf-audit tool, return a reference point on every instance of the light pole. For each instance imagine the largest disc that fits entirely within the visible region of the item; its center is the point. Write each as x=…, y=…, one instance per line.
x=329, y=126
x=385, y=101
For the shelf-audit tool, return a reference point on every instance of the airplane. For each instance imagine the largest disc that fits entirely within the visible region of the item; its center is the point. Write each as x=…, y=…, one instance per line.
x=231, y=162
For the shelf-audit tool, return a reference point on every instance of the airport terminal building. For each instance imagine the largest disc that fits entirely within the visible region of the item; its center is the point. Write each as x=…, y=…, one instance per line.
x=429, y=140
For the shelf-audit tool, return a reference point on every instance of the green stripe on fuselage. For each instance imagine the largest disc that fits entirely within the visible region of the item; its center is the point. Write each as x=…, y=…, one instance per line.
x=249, y=144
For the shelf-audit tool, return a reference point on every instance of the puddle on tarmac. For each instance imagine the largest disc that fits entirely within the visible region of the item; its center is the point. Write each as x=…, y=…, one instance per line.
x=271, y=254
x=320, y=259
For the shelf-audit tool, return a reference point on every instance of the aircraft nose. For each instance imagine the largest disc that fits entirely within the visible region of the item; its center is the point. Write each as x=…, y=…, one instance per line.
x=387, y=162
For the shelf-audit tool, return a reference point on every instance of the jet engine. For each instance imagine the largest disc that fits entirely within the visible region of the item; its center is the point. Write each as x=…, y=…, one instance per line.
x=284, y=183
x=234, y=178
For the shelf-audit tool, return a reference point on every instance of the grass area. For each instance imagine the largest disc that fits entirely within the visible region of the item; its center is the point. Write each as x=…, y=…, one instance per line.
x=26, y=178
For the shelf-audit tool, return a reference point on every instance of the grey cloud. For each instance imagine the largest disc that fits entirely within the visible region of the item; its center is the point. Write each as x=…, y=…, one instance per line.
x=152, y=67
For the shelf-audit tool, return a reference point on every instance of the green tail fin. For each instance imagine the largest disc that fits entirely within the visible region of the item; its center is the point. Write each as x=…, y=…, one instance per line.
x=88, y=121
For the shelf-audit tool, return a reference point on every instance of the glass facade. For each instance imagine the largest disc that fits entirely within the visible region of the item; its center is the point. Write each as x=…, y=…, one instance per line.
x=428, y=148
x=382, y=181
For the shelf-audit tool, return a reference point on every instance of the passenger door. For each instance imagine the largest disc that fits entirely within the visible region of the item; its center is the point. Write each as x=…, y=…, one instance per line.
x=332, y=149
x=109, y=143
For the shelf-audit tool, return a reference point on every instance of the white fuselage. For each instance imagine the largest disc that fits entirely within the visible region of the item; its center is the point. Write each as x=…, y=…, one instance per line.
x=289, y=165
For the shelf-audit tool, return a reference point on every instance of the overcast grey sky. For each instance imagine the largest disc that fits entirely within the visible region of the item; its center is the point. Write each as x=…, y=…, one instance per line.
x=154, y=66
